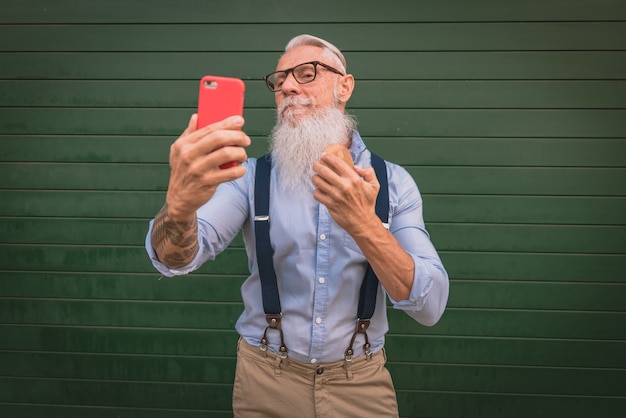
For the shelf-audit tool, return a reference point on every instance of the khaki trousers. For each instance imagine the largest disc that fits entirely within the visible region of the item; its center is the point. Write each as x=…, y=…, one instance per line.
x=266, y=388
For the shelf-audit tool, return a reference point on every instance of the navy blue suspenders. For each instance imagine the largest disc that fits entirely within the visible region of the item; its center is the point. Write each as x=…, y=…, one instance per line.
x=269, y=285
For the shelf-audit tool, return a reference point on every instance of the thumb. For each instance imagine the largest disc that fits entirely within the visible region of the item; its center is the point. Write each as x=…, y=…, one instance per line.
x=192, y=125
x=368, y=174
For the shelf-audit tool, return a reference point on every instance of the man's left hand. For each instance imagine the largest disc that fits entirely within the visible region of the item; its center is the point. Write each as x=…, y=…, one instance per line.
x=348, y=193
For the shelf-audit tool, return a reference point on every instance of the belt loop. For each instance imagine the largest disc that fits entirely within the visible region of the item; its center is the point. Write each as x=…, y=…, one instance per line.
x=277, y=362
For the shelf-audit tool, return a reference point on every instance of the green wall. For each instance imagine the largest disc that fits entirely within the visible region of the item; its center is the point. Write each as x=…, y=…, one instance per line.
x=511, y=116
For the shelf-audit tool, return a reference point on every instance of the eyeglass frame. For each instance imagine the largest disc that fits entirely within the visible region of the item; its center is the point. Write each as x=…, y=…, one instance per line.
x=290, y=71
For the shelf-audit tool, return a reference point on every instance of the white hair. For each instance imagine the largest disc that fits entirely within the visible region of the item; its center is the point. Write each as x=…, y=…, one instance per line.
x=329, y=49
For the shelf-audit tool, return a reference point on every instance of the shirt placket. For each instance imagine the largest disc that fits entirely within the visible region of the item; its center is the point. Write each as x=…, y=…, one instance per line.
x=320, y=297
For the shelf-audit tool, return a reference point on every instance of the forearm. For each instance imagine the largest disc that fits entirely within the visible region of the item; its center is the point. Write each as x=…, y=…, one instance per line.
x=393, y=266
x=175, y=242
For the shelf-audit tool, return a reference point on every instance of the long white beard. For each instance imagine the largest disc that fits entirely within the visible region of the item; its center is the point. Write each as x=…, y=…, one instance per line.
x=298, y=139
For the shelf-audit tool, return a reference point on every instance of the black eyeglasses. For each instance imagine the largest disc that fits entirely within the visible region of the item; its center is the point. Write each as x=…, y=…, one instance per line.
x=302, y=73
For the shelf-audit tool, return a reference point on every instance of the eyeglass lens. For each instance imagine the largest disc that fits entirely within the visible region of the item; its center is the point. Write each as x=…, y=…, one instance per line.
x=303, y=73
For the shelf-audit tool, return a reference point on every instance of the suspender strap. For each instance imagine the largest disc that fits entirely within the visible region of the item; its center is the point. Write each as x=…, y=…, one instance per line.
x=369, y=287
x=271, y=300
x=264, y=255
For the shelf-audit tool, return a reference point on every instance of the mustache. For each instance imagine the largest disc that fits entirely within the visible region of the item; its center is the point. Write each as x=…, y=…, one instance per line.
x=292, y=101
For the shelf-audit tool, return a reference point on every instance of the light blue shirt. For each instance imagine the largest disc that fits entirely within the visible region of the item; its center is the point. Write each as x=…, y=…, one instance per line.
x=318, y=265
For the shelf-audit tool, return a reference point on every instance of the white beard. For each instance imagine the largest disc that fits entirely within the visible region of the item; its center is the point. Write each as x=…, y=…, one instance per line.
x=298, y=139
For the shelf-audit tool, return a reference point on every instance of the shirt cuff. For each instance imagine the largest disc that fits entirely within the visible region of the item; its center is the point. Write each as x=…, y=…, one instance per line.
x=422, y=284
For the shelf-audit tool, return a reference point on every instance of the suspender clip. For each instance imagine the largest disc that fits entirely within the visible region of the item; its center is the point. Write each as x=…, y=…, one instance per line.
x=273, y=322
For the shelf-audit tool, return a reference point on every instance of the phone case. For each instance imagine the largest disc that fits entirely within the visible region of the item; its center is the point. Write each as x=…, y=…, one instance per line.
x=219, y=98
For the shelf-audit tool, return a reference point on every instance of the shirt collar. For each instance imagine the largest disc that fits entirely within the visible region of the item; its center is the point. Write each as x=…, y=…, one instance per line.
x=358, y=146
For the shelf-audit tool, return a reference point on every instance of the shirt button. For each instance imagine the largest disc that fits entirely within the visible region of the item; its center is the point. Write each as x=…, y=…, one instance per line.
x=323, y=237
x=322, y=280
x=318, y=320
x=313, y=360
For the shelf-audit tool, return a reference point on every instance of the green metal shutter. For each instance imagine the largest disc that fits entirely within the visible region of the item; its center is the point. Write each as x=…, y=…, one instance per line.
x=511, y=117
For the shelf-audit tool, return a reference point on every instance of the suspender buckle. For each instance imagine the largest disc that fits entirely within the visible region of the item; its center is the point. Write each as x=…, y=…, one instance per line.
x=361, y=328
x=273, y=322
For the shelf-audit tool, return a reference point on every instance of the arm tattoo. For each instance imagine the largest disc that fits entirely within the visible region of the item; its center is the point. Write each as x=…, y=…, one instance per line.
x=175, y=243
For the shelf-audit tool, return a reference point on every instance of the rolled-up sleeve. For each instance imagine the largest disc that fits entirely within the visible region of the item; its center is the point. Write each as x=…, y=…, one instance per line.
x=429, y=292
x=219, y=222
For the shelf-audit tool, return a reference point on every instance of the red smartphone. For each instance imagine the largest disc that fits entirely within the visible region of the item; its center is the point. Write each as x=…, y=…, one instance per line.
x=219, y=98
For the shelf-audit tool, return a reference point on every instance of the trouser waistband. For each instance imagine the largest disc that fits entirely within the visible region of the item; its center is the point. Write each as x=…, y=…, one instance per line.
x=340, y=366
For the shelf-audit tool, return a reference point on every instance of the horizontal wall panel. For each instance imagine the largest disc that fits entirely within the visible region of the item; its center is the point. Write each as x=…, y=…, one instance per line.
x=521, y=181
x=398, y=123
x=78, y=411
x=459, y=405
x=73, y=231
x=546, y=324
x=118, y=232
x=506, y=351
x=461, y=265
x=524, y=238
x=119, y=394
x=267, y=37
x=187, y=315
x=215, y=288
x=525, y=209
x=535, y=267
x=192, y=11
x=529, y=152
x=222, y=316
x=127, y=259
x=98, y=148
x=400, y=94
x=446, y=237
x=511, y=94
x=507, y=380
x=84, y=203
x=568, y=210
x=138, y=368
x=145, y=177
x=580, y=65
x=545, y=295
x=194, y=287
x=180, y=342
x=493, y=123
x=526, y=152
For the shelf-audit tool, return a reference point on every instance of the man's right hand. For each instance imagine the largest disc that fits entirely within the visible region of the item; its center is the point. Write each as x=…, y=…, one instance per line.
x=195, y=158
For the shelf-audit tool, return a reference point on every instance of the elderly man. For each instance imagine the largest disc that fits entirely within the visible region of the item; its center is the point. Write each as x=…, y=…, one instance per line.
x=325, y=239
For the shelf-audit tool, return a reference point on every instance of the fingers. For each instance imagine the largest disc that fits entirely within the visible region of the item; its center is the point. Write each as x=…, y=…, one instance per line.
x=233, y=122
x=336, y=164
x=367, y=174
x=193, y=134
x=224, y=136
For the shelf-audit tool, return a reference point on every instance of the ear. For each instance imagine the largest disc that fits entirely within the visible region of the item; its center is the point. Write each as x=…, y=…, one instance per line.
x=345, y=89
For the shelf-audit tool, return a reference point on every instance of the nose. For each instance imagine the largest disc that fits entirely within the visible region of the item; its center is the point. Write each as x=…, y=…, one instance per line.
x=290, y=86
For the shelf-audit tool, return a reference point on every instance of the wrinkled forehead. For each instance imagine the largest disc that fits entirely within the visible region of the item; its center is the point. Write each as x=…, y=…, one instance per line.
x=304, y=53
